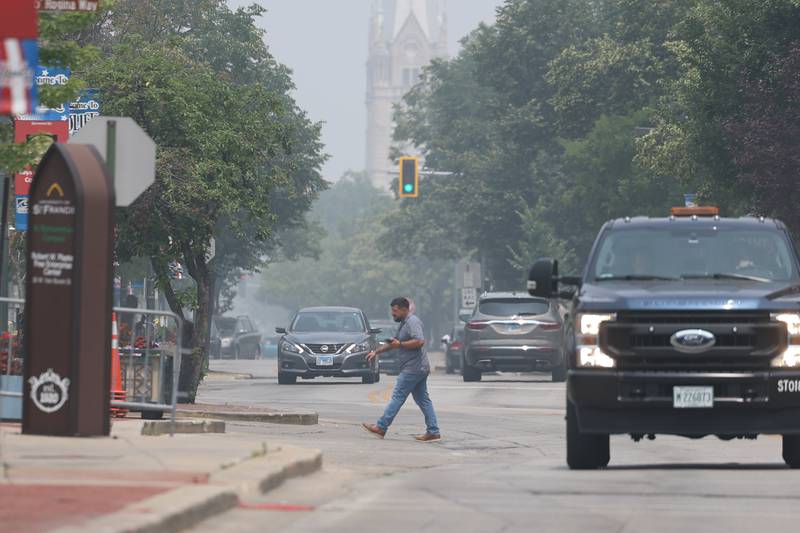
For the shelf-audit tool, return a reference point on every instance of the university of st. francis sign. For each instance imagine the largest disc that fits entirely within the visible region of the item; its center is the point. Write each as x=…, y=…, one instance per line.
x=68, y=308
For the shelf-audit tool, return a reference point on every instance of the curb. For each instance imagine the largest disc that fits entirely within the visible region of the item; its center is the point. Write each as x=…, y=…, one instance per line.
x=264, y=473
x=172, y=511
x=190, y=505
x=211, y=375
x=156, y=428
x=298, y=419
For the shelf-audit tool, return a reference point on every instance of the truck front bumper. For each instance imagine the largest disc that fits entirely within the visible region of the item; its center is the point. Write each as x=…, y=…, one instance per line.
x=745, y=403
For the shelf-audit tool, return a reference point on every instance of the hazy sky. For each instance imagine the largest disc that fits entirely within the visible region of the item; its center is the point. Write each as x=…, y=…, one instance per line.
x=325, y=43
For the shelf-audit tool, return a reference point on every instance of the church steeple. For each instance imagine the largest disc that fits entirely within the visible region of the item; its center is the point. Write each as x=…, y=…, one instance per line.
x=405, y=35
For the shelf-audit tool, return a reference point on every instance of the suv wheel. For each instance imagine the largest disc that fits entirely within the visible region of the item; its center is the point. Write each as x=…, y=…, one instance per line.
x=585, y=451
x=449, y=367
x=286, y=379
x=469, y=373
x=559, y=373
x=791, y=450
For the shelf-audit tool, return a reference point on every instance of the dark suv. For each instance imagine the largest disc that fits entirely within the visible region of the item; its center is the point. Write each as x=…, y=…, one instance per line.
x=513, y=332
x=687, y=325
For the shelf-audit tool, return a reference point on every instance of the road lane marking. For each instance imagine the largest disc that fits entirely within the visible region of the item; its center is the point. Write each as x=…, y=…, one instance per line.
x=381, y=395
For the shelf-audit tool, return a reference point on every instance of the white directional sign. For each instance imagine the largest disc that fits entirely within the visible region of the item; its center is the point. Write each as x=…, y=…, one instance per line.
x=133, y=153
x=469, y=295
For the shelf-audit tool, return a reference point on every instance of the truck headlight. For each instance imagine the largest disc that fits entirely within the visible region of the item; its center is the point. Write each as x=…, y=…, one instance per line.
x=791, y=357
x=291, y=347
x=589, y=353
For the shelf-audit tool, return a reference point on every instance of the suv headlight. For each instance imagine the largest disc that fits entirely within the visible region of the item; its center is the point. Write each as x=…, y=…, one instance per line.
x=359, y=347
x=291, y=347
x=589, y=353
x=791, y=357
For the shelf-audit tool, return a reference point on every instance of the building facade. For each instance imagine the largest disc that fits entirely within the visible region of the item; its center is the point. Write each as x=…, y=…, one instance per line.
x=404, y=37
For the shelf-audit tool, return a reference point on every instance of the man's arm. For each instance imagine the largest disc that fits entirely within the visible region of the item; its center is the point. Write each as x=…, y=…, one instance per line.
x=394, y=344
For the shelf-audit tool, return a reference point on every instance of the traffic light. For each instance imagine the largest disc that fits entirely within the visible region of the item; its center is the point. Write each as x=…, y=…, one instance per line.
x=409, y=177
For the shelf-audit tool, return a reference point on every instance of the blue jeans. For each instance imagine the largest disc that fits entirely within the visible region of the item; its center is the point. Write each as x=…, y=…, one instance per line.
x=415, y=384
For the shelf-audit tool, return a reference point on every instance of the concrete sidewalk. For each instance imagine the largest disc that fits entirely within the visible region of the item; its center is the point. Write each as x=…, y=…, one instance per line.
x=132, y=482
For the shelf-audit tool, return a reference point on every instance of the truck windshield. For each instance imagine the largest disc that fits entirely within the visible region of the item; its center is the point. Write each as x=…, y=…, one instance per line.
x=688, y=253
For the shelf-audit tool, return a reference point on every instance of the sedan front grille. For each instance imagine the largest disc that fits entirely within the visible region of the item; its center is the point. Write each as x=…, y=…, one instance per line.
x=325, y=349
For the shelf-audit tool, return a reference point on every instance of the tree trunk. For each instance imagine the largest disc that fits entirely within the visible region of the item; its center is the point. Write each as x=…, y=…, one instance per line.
x=193, y=364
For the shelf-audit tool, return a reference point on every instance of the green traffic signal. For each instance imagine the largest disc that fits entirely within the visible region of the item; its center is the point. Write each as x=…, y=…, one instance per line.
x=409, y=177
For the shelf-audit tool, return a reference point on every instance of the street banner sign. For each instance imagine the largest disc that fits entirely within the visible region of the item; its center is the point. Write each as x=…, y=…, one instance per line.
x=21, y=213
x=67, y=5
x=19, y=56
x=18, y=61
x=127, y=150
x=23, y=131
x=68, y=295
x=52, y=77
x=84, y=109
x=19, y=20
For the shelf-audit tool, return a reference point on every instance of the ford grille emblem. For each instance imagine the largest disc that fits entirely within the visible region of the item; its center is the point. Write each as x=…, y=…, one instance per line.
x=693, y=340
x=324, y=348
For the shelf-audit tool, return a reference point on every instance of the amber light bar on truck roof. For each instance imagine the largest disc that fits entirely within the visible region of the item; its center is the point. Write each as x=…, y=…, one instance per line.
x=706, y=211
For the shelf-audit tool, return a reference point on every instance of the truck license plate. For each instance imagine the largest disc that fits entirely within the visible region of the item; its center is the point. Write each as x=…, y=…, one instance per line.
x=325, y=360
x=692, y=397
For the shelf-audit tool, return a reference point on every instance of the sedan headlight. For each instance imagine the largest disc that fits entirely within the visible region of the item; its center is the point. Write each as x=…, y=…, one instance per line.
x=291, y=347
x=589, y=353
x=791, y=357
x=358, y=347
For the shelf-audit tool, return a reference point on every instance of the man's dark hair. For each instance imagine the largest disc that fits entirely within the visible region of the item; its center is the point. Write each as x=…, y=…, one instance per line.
x=401, y=302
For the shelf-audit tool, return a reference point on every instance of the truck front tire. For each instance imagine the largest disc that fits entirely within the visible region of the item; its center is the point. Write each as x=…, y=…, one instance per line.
x=791, y=450
x=585, y=451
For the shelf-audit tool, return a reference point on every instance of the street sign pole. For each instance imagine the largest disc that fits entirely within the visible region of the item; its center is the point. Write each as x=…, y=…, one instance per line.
x=4, y=254
x=111, y=148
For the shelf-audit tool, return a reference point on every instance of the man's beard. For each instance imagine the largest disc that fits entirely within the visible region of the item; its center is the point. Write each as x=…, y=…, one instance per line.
x=397, y=319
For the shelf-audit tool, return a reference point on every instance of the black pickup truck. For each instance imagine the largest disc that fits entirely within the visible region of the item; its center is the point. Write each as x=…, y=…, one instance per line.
x=686, y=325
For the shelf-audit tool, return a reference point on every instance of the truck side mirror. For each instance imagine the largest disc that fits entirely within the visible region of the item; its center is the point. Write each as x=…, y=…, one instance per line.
x=543, y=278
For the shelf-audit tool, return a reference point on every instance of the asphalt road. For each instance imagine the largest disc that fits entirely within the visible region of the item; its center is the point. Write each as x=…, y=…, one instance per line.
x=501, y=466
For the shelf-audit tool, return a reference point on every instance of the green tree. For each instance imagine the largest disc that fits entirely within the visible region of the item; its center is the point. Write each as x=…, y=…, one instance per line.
x=238, y=161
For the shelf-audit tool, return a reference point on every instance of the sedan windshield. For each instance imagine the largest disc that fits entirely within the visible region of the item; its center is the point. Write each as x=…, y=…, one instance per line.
x=328, y=321
x=653, y=254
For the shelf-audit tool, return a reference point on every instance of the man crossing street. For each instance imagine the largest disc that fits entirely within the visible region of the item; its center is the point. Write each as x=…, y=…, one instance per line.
x=409, y=341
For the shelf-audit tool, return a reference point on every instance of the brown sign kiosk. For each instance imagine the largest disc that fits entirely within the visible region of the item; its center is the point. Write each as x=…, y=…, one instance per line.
x=68, y=301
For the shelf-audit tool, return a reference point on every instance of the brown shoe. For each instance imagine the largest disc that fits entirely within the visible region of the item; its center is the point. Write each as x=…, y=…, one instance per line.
x=375, y=430
x=427, y=437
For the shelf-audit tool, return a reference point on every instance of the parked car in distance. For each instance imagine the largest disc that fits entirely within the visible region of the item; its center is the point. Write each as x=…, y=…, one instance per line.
x=215, y=343
x=513, y=332
x=455, y=350
x=327, y=342
x=238, y=337
x=387, y=360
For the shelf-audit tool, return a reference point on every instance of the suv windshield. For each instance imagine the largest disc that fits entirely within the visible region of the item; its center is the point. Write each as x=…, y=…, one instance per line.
x=328, y=321
x=226, y=326
x=513, y=306
x=679, y=253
